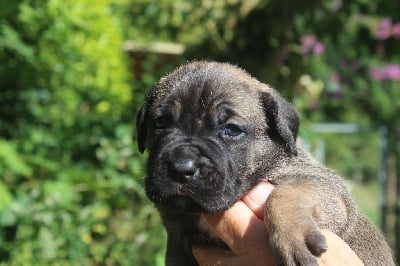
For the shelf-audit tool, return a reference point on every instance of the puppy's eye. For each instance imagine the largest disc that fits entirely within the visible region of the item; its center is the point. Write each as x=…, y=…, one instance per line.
x=160, y=122
x=232, y=130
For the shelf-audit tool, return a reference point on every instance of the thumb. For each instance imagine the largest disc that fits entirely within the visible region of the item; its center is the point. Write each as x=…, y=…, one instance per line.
x=255, y=199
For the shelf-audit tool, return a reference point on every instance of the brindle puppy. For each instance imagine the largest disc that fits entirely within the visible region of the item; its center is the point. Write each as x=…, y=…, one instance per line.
x=213, y=132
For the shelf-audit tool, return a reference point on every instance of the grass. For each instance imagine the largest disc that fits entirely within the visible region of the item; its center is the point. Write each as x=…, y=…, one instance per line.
x=367, y=197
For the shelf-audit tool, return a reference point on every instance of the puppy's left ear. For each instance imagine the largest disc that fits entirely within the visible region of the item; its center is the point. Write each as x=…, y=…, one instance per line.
x=142, y=127
x=283, y=121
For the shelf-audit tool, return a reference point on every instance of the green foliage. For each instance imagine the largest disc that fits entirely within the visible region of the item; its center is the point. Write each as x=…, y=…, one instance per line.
x=70, y=175
x=5, y=197
x=341, y=149
x=190, y=22
x=367, y=197
x=10, y=161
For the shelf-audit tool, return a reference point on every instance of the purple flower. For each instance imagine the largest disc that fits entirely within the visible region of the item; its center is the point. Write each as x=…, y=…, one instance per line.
x=336, y=5
x=307, y=43
x=310, y=43
x=392, y=72
x=396, y=30
x=376, y=73
x=389, y=72
x=318, y=48
x=384, y=29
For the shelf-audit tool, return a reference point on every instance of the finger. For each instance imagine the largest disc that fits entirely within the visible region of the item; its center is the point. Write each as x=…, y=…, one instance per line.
x=338, y=253
x=256, y=198
x=212, y=256
x=216, y=256
x=238, y=227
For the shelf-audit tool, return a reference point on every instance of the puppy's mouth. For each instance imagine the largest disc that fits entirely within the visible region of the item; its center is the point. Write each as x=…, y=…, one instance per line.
x=182, y=199
x=182, y=191
x=186, y=199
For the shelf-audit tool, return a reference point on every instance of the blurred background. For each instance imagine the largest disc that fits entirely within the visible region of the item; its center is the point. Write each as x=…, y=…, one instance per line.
x=73, y=74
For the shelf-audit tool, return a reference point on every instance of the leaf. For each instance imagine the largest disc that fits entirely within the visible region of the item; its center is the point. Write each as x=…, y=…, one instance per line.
x=11, y=161
x=60, y=193
x=47, y=243
x=10, y=39
x=7, y=218
x=5, y=197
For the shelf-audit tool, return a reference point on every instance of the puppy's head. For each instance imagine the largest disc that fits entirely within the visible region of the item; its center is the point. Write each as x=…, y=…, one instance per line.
x=212, y=132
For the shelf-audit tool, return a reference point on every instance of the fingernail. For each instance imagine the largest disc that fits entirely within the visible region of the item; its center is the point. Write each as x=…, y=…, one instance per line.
x=259, y=194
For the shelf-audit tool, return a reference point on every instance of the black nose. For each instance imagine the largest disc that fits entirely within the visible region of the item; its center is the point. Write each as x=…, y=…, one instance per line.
x=183, y=169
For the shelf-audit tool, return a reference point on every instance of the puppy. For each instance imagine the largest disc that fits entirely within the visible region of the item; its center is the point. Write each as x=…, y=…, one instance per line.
x=213, y=132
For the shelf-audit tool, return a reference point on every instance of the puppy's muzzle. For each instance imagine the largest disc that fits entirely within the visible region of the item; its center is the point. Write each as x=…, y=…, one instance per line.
x=183, y=164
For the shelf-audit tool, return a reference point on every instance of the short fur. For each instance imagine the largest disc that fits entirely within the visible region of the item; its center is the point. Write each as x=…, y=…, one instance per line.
x=213, y=132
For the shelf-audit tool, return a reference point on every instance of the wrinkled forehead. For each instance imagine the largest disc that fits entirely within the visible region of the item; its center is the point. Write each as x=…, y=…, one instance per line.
x=208, y=90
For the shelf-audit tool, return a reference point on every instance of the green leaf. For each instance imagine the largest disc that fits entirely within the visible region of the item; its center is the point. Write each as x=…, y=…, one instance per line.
x=5, y=196
x=10, y=39
x=60, y=193
x=11, y=161
x=7, y=218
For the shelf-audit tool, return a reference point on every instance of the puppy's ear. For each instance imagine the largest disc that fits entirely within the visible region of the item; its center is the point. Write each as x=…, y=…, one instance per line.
x=283, y=121
x=142, y=127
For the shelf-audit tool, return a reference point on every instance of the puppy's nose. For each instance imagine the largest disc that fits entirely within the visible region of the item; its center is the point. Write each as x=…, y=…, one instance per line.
x=183, y=169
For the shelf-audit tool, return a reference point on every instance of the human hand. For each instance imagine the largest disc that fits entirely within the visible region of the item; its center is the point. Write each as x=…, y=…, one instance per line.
x=338, y=253
x=242, y=228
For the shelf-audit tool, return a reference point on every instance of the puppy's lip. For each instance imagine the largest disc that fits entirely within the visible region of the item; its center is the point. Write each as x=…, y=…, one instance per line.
x=181, y=191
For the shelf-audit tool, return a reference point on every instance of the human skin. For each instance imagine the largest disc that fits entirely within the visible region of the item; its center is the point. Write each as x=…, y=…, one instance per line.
x=242, y=228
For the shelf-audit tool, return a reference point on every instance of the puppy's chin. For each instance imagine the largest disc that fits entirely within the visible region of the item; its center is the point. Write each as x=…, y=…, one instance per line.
x=192, y=202
x=182, y=203
x=187, y=204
